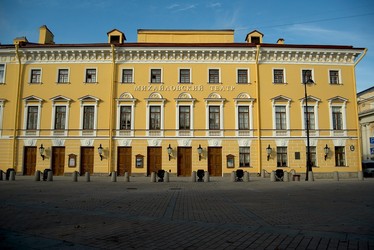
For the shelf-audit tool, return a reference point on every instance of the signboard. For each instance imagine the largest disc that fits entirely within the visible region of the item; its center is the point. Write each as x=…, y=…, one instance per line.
x=372, y=145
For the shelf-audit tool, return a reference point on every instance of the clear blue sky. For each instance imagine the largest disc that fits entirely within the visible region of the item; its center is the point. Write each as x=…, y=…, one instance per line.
x=336, y=22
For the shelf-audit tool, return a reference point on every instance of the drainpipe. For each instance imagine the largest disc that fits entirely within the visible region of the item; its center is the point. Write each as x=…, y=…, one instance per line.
x=111, y=119
x=258, y=111
x=359, y=138
x=17, y=111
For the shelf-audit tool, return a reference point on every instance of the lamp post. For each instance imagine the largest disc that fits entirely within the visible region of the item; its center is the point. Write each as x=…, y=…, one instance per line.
x=308, y=161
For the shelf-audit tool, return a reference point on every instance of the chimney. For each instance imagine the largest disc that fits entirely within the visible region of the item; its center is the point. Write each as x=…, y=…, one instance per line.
x=45, y=35
x=20, y=40
x=280, y=41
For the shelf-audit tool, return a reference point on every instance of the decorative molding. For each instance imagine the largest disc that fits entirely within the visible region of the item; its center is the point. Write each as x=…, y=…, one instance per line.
x=244, y=142
x=87, y=142
x=125, y=142
x=184, y=143
x=58, y=142
x=339, y=142
x=214, y=142
x=281, y=142
x=29, y=142
x=154, y=142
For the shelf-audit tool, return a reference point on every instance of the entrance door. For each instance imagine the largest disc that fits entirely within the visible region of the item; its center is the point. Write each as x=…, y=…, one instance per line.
x=123, y=160
x=29, y=160
x=154, y=159
x=58, y=160
x=215, y=161
x=184, y=161
x=87, y=160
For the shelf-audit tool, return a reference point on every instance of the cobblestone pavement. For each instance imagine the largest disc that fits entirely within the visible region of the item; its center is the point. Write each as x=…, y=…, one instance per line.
x=179, y=214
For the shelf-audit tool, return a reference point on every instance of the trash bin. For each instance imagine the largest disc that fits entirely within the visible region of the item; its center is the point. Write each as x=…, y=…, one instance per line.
x=45, y=174
x=7, y=175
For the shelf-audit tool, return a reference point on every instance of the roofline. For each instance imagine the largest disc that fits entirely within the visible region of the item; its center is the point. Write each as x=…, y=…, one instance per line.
x=195, y=30
x=365, y=90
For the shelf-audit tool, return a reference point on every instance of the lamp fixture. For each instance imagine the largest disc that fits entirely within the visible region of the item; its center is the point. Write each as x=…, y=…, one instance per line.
x=100, y=151
x=41, y=151
x=170, y=150
x=268, y=151
x=326, y=150
x=199, y=151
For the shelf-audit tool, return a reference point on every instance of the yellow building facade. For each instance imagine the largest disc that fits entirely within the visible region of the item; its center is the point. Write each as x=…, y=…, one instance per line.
x=177, y=100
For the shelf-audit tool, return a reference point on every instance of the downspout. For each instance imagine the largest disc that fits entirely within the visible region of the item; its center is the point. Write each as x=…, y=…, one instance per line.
x=258, y=111
x=110, y=160
x=17, y=114
x=356, y=113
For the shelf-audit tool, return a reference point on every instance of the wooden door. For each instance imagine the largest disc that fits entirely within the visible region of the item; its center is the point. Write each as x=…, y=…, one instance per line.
x=58, y=160
x=123, y=160
x=215, y=161
x=154, y=159
x=184, y=161
x=87, y=160
x=29, y=160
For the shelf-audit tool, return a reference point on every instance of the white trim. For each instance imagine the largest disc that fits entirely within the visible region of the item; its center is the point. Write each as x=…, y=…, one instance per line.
x=88, y=101
x=284, y=75
x=179, y=74
x=343, y=106
x=277, y=132
x=58, y=74
x=121, y=75
x=248, y=76
x=301, y=74
x=219, y=76
x=2, y=81
x=1, y=115
x=315, y=131
x=218, y=132
x=340, y=80
x=85, y=75
x=30, y=75
x=161, y=76
x=118, y=127
x=65, y=131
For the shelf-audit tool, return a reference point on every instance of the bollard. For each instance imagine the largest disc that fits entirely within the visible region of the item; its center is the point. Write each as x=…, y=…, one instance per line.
x=336, y=176
x=193, y=176
x=1, y=175
x=310, y=176
x=166, y=177
x=75, y=176
x=87, y=176
x=233, y=176
x=246, y=176
x=37, y=175
x=263, y=173
x=272, y=176
x=206, y=176
x=286, y=176
x=360, y=176
x=127, y=177
x=50, y=176
x=12, y=175
x=113, y=176
x=153, y=177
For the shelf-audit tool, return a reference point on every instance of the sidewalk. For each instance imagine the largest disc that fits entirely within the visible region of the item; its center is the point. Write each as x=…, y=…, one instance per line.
x=220, y=214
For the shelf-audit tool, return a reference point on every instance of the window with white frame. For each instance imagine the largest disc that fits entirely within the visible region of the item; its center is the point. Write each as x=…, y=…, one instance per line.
x=243, y=117
x=91, y=76
x=2, y=73
x=1, y=114
x=340, y=156
x=156, y=76
x=89, y=112
x=280, y=117
x=213, y=76
x=281, y=156
x=214, y=117
x=88, y=117
x=184, y=117
x=334, y=77
x=337, y=118
x=155, y=117
x=184, y=76
x=32, y=118
x=125, y=117
x=63, y=76
x=278, y=76
x=309, y=118
x=127, y=76
x=306, y=75
x=244, y=157
x=32, y=110
x=60, y=117
x=312, y=154
x=35, y=75
x=242, y=76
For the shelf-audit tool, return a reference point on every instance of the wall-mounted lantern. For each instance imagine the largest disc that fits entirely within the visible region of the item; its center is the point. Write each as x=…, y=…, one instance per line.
x=268, y=151
x=100, y=151
x=326, y=150
x=41, y=151
x=199, y=151
x=170, y=151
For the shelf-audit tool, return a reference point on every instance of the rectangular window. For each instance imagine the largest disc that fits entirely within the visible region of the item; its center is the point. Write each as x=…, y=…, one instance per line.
x=2, y=73
x=184, y=76
x=307, y=75
x=155, y=75
x=213, y=75
x=63, y=75
x=242, y=76
x=334, y=76
x=60, y=117
x=35, y=76
x=155, y=118
x=32, y=117
x=244, y=157
x=88, y=117
x=281, y=156
x=127, y=76
x=91, y=75
x=243, y=117
x=214, y=118
x=125, y=118
x=280, y=118
x=309, y=117
x=337, y=120
x=184, y=117
x=339, y=156
x=278, y=76
x=312, y=154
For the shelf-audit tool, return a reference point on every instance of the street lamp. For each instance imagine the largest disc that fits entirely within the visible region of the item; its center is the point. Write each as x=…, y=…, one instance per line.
x=170, y=150
x=268, y=151
x=308, y=161
x=199, y=151
x=100, y=151
x=41, y=151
